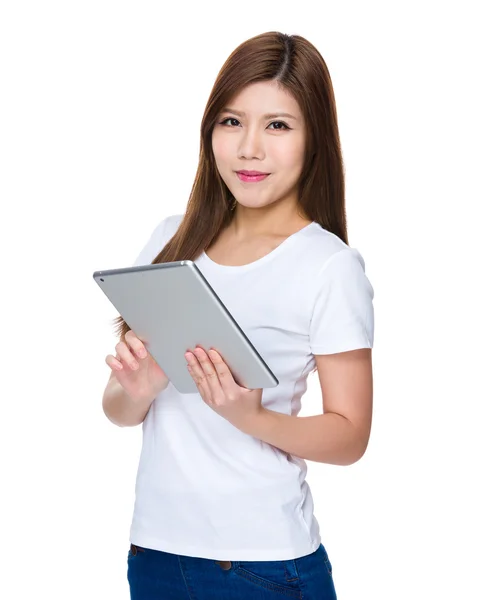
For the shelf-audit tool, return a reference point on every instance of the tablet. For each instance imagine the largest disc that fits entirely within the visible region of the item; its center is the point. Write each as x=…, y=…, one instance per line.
x=171, y=307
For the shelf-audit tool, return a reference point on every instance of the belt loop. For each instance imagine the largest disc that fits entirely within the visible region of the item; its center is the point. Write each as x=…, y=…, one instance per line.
x=134, y=549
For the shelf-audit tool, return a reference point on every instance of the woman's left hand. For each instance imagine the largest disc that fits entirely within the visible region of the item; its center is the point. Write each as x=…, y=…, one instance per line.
x=215, y=382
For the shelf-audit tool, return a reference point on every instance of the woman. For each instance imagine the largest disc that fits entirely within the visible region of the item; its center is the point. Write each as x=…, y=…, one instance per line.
x=222, y=508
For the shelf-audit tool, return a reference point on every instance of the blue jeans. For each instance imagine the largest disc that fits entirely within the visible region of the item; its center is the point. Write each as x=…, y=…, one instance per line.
x=158, y=575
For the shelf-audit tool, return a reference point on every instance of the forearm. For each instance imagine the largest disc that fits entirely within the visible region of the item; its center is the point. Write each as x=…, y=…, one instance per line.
x=327, y=438
x=121, y=409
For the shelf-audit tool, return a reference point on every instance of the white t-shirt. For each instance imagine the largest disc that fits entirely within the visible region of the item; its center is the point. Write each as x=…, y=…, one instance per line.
x=203, y=487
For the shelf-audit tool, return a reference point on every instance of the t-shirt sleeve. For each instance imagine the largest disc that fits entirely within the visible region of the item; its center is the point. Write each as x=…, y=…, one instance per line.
x=343, y=315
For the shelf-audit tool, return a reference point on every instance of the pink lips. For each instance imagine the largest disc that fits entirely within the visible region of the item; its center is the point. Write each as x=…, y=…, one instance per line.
x=252, y=176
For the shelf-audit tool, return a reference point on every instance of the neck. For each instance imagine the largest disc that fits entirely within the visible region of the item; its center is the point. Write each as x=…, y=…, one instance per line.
x=266, y=221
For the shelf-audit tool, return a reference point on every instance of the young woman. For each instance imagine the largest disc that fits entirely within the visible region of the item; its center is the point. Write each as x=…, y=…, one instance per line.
x=222, y=509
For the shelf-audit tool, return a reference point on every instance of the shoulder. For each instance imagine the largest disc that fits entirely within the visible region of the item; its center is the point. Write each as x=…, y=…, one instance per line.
x=166, y=229
x=160, y=236
x=334, y=265
x=326, y=250
x=172, y=222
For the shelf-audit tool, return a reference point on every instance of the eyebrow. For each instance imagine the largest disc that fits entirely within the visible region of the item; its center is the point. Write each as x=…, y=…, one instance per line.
x=269, y=116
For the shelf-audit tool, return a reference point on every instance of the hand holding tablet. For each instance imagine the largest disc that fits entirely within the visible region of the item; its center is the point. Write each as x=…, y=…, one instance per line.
x=136, y=370
x=173, y=308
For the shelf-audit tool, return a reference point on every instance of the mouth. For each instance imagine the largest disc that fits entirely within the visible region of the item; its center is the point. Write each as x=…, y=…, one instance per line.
x=251, y=176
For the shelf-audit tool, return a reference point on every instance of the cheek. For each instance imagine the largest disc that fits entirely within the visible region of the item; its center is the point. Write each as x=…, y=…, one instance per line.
x=289, y=157
x=220, y=148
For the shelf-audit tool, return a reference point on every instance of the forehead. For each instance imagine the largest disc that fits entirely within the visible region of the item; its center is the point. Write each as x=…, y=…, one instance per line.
x=264, y=97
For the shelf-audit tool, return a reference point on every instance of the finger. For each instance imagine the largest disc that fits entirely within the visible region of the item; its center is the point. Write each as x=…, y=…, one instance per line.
x=196, y=371
x=136, y=344
x=124, y=354
x=114, y=363
x=210, y=373
x=224, y=374
x=193, y=366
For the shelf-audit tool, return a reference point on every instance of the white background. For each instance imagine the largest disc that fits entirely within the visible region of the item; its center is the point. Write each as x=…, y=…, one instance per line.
x=101, y=104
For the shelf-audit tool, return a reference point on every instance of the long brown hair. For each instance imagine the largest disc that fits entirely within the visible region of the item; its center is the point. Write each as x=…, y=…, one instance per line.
x=299, y=68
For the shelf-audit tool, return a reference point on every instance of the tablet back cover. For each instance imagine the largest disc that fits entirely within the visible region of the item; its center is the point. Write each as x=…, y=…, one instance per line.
x=173, y=308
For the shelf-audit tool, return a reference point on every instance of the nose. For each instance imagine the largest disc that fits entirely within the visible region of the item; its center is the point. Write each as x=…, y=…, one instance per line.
x=251, y=145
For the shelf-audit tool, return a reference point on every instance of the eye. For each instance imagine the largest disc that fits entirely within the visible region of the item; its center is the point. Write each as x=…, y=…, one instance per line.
x=283, y=125
x=224, y=122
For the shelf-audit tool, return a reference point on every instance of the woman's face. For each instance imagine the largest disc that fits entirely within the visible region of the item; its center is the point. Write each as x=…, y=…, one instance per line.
x=254, y=134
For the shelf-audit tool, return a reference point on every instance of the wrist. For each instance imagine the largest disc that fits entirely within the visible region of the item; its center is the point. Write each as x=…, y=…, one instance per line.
x=259, y=423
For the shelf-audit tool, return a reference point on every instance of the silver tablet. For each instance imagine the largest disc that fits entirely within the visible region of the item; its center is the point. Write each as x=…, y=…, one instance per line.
x=172, y=308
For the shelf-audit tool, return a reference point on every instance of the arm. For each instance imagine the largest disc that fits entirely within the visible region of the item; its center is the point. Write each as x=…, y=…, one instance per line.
x=340, y=435
x=120, y=408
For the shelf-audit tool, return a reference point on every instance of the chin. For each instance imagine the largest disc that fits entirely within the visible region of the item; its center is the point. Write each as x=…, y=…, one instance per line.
x=257, y=203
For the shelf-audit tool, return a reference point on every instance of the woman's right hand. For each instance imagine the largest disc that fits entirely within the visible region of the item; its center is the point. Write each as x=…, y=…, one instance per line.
x=136, y=370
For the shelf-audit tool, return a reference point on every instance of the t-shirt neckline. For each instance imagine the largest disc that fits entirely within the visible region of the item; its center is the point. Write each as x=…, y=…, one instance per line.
x=282, y=246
